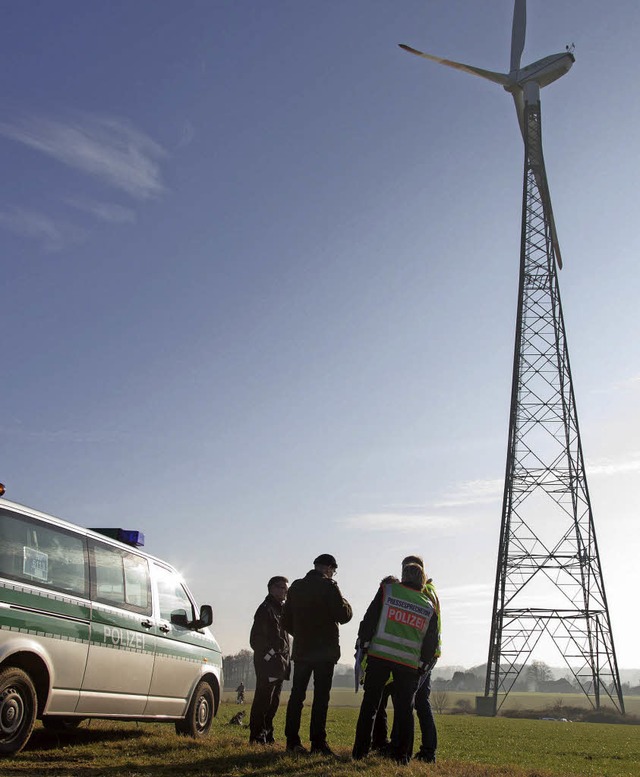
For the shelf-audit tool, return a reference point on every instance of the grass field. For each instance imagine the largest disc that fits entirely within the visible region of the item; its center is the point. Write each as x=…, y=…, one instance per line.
x=469, y=747
x=346, y=697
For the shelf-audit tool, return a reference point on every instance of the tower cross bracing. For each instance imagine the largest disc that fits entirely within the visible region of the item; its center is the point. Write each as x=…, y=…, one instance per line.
x=548, y=580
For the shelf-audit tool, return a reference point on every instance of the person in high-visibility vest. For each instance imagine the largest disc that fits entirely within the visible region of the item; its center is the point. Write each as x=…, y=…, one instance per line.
x=399, y=634
x=422, y=703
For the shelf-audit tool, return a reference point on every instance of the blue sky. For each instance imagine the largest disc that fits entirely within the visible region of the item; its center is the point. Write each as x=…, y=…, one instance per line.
x=260, y=273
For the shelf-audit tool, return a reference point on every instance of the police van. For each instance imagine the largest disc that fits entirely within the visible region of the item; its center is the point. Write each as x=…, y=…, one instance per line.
x=93, y=627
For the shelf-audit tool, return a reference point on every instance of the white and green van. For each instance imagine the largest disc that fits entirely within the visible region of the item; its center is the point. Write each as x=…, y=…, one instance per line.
x=92, y=627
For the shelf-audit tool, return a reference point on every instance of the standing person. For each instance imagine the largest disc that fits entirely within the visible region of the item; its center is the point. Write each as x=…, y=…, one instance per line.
x=270, y=644
x=240, y=693
x=399, y=634
x=422, y=703
x=312, y=612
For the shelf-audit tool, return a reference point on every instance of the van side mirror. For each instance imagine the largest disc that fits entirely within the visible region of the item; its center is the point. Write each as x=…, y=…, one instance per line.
x=206, y=617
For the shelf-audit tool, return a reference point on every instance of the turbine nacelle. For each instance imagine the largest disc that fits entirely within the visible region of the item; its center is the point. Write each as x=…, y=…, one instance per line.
x=524, y=84
x=544, y=72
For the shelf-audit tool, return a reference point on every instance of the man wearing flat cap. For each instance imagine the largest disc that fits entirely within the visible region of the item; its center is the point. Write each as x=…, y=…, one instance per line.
x=311, y=614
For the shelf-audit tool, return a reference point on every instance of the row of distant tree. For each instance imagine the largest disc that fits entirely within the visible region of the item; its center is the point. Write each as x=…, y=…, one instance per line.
x=238, y=668
x=538, y=677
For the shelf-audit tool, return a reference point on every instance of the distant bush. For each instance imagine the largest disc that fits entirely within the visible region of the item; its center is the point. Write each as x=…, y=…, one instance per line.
x=439, y=700
x=462, y=707
x=608, y=715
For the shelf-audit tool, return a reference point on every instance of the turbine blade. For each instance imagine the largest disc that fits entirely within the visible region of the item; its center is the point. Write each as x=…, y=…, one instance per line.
x=518, y=99
x=554, y=238
x=518, y=32
x=543, y=185
x=497, y=78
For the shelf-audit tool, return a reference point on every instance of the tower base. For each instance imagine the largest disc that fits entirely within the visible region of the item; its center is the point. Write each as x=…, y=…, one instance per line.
x=486, y=706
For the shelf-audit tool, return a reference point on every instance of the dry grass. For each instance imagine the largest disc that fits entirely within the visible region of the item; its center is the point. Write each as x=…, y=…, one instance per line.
x=469, y=747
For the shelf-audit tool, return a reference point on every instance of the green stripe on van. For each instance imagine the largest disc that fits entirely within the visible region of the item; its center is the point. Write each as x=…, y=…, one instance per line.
x=49, y=601
x=188, y=648
x=42, y=625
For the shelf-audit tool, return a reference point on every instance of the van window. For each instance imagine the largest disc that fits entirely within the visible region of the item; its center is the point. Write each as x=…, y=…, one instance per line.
x=171, y=595
x=120, y=578
x=42, y=554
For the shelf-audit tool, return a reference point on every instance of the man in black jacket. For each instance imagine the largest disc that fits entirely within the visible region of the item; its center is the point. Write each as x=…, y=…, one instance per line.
x=270, y=643
x=312, y=612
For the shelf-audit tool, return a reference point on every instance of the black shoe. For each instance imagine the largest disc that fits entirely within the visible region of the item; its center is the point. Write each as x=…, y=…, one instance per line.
x=381, y=746
x=322, y=749
x=297, y=749
x=403, y=760
x=388, y=752
x=425, y=756
x=257, y=741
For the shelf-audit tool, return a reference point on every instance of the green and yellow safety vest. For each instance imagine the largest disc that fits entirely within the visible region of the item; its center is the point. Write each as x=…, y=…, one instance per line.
x=402, y=625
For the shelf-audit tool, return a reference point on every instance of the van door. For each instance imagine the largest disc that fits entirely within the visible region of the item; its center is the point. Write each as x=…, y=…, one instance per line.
x=122, y=644
x=181, y=652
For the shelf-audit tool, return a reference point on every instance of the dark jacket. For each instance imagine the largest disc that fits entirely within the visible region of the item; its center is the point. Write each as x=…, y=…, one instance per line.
x=312, y=612
x=369, y=625
x=270, y=641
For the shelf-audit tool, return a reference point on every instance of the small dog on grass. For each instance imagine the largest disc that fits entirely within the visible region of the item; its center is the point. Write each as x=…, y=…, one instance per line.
x=237, y=719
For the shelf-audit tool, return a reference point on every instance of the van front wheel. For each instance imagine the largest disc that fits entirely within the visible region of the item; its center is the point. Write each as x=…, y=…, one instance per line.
x=199, y=717
x=18, y=706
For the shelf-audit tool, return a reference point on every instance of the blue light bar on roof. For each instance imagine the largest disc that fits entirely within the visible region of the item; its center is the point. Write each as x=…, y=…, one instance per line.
x=128, y=536
x=131, y=537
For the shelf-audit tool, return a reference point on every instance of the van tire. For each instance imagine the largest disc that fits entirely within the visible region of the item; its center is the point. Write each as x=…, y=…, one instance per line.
x=59, y=723
x=199, y=717
x=18, y=708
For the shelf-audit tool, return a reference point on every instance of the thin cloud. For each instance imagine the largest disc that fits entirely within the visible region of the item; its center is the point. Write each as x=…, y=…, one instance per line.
x=631, y=463
x=104, y=211
x=51, y=235
x=467, y=592
x=473, y=492
x=469, y=603
x=108, y=148
x=397, y=522
x=631, y=383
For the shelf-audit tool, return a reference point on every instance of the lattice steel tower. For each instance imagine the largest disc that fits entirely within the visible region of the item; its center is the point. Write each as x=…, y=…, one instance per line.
x=548, y=580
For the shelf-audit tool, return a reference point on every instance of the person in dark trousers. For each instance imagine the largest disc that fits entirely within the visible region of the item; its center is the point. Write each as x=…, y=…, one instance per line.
x=312, y=612
x=399, y=635
x=379, y=737
x=422, y=702
x=240, y=693
x=270, y=644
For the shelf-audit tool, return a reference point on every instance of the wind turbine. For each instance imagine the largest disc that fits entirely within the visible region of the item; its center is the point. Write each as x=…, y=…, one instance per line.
x=524, y=84
x=548, y=577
